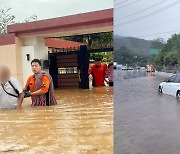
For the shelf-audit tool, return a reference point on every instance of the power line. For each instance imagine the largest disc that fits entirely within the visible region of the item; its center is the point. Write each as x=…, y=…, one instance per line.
x=159, y=33
x=142, y=10
x=155, y=34
x=127, y=4
x=150, y=14
x=169, y=21
x=122, y=2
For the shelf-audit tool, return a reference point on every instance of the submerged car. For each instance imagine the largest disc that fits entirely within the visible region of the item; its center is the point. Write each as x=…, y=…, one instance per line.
x=130, y=68
x=124, y=68
x=170, y=86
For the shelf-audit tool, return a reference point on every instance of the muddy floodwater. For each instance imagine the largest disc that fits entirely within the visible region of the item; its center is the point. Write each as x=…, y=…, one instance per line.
x=81, y=123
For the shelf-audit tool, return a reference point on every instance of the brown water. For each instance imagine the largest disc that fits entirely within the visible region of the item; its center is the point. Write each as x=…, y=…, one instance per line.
x=81, y=123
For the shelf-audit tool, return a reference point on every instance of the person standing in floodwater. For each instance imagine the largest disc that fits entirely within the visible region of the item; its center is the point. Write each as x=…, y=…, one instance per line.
x=109, y=74
x=11, y=93
x=98, y=71
x=40, y=85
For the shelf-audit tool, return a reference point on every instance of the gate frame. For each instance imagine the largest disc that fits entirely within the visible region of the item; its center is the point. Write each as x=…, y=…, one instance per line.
x=83, y=55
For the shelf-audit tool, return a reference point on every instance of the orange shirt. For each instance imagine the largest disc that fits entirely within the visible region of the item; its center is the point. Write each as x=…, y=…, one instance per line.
x=31, y=84
x=98, y=74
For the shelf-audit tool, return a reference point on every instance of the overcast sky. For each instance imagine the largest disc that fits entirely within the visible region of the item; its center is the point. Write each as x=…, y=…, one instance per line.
x=53, y=8
x=126, y=24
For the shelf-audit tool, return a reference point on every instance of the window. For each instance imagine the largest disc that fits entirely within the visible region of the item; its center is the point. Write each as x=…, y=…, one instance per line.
x=177, y=79
x=171, y=79
x=68, y=70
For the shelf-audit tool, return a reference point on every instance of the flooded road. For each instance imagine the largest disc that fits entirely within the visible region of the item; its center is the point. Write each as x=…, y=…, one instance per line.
x=81, y=123
x=145, y=123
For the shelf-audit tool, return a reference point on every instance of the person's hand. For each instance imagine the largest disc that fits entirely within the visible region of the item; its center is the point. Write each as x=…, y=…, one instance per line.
x=18, y=107
x=107, y=81
x=26, y=94
x=90, y=77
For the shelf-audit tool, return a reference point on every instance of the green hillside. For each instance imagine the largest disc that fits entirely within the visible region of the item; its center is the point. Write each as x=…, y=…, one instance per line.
x=135, y=51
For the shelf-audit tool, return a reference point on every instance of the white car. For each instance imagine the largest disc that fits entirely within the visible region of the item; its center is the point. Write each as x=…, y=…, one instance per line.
x=143, y=68
x=130, y=68
x=124, y=68
x=119, y=66
x=170, y=86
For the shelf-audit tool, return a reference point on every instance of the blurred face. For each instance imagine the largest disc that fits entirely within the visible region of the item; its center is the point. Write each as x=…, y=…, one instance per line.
x=36, y=68
x=98, y=63
x=4, y=77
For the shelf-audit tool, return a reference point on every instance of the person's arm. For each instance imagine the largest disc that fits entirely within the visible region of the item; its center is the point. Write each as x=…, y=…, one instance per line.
x=21, y=98
x=21, y=93
x=90, y=70
x=38, y=93
x=27, y=88
x=44, y=89
x=105, y=72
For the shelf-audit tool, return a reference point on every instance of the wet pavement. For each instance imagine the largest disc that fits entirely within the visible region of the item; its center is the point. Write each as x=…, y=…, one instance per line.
x=81, y=123
x=145, y=123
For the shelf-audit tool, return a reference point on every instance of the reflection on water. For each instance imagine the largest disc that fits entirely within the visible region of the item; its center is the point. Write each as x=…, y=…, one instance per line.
x=82, y=122
x=126, y=74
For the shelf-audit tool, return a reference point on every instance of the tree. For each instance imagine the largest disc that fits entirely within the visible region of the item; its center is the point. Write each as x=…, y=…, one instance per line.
x=106, y=57
x=159, y=59
x=6, y=18
x=157, y=43
x=170, y=52
x=171, y=59
x=96, y=40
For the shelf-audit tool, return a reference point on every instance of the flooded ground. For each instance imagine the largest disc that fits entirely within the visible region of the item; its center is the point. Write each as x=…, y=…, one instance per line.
x=81, y=123
x=145, y=123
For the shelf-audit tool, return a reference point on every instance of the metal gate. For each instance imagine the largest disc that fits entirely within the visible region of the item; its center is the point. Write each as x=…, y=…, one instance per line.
x=68, y=73
x=69, y=69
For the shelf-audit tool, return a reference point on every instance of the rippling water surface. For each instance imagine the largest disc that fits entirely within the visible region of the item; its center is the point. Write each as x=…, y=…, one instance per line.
x=81, y=123
x=145, y=123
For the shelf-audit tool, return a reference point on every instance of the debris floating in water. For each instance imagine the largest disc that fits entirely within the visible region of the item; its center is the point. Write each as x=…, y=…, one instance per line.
x=12, y=147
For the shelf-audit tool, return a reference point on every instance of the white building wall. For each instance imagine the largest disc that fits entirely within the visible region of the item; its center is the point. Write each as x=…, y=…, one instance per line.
x=26, y=65
x=35, y=47
x=41, y=51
